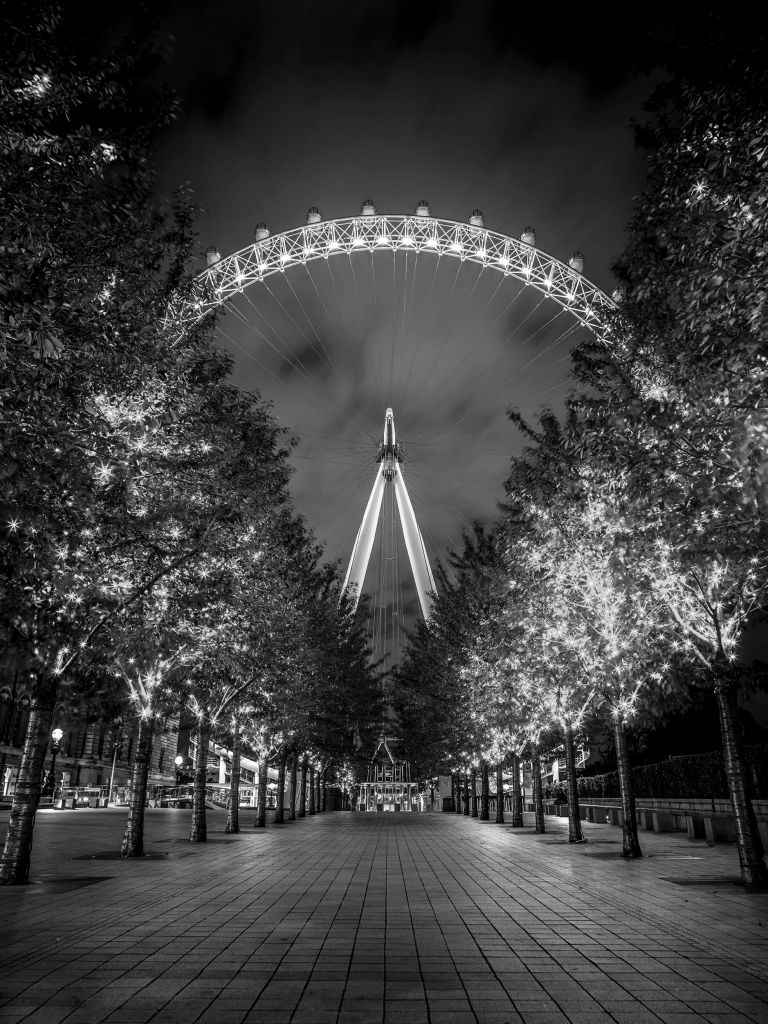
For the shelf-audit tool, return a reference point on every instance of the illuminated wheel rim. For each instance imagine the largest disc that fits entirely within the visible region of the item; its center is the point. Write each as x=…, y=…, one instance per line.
x=512, y=257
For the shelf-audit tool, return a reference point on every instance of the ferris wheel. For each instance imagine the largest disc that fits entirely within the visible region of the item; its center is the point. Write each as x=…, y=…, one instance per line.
x=349, y=319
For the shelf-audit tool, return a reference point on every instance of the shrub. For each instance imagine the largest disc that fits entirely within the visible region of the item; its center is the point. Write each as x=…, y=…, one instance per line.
x=695, y=776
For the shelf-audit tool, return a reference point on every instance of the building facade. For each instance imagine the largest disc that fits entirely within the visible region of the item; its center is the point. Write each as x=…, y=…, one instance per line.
x=94, y=751
x=388, y=786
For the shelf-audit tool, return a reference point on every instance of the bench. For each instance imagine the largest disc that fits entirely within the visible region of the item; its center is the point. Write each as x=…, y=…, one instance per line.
x=603, y=813
x=711, y=820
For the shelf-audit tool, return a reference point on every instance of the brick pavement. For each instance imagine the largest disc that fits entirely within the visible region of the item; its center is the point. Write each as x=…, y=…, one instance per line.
x=377, y=919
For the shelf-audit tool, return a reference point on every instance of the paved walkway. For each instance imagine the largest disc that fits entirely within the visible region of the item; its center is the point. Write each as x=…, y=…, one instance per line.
x=377, y=919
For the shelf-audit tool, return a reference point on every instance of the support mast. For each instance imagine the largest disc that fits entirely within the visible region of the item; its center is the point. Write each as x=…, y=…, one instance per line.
x=390, y=473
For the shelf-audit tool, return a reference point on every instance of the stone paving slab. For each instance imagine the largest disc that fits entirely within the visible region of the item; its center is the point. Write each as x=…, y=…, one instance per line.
x=377, y=919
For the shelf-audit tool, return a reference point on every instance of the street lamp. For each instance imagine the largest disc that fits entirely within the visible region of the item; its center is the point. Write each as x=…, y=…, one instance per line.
x=50, y=780
x=117, y=742
x=178, y=761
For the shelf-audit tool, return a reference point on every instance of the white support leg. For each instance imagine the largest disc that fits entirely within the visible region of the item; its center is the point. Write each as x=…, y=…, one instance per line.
x=414, y=543
x=390, y=472
x=361, y=553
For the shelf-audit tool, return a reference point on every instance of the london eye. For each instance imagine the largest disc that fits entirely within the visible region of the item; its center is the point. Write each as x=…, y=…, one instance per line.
x=441, y=324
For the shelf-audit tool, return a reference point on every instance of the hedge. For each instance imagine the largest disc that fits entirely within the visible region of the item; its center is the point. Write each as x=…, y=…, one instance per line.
x=696, y=776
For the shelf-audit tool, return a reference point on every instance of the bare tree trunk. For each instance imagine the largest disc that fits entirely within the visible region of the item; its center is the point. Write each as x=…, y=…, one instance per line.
x=233, y=814
x=280, y=795
x=261, y=809
x=311, y=808
x=631, y=844
x=17, y=854
x=453, y=791
x=303, y=791
x=292, y=787
x=473, y=777
x=133, y=837
x=575, y=833
x=754, y=873
x=324, y=793
x=466, y=795
x=199, y=830
x=484, y=787
x=459, y=795
x=499, y=794
x=517, y=794
x=538, y=796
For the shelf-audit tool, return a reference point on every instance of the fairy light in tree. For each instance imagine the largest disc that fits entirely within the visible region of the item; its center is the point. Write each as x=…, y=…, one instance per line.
x=38, y=86
x=709, y=603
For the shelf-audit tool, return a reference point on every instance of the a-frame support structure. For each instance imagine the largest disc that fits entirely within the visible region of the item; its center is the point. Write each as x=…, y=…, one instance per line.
x=390, y=474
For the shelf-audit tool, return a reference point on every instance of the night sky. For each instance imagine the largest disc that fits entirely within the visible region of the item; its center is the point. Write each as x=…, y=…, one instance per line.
x=523, y=114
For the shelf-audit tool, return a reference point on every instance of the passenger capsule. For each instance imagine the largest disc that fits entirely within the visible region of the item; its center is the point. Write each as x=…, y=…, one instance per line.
x=261, y=231
x=618, y=296
x=422, y=209
x=212, y=255
x=576, y=262
x=313, y=215
x=476, y=219
x=528, y=236
x=367, y=209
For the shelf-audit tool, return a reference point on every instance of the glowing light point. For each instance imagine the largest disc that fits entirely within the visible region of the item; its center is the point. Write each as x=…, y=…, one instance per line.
x=39, y=85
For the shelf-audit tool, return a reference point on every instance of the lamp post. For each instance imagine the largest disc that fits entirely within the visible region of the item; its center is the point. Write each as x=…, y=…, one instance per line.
x=178, y=761
x=50, y=780
x=117, y=742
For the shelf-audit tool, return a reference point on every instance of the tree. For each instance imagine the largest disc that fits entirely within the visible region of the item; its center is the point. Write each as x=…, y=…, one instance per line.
x=108, y=406
x=436, y=698
x=148, y=697
x=681, y=412
x=82, y=246
x=577, y=517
